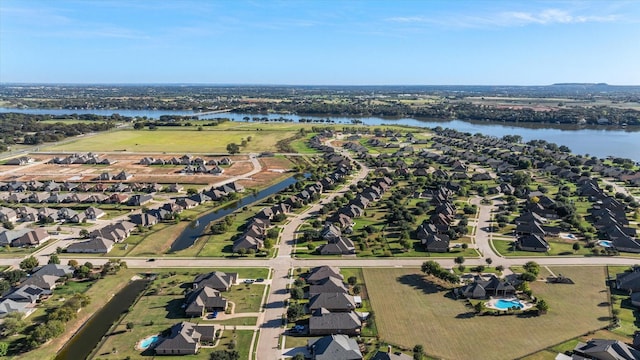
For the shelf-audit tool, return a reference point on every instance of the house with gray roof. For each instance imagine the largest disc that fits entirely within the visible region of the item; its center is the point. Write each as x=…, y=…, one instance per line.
x=334, y=347
x=335, y=302
x=327, y=285
x=203, y=300
x=325, y=322
x=600, y=349
x=318, y=274
x=185, y=339
x=532, y=242
x=629, y=281
x=390, y=356
x=96, y=245
x=217, y=280
x=8, y=306
x=26, y=293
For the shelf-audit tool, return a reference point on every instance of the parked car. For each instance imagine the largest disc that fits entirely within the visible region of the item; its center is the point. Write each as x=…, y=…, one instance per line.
x=249, y=281
x=259, y=280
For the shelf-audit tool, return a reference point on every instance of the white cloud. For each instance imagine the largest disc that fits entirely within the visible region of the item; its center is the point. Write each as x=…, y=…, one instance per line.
x=505, y=19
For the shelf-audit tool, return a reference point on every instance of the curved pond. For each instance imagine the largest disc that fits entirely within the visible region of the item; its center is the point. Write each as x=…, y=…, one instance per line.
x=190, y=235
x=85, y=340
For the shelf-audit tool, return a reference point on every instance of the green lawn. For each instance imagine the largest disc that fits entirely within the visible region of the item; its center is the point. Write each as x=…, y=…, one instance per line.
x=503, y=247
x=187, y=140
x=407, y=308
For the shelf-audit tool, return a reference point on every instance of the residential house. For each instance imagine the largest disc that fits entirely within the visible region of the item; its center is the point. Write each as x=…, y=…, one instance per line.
x=335, y=302
x=532, y=242
x=481, y=288
x=601, y=349
x=216, y=280
x=338, y=246
x=34, y=237
x=93, y=213
x=144, y=219
x=203, y=300
x=436, y=243
x=629, y=281
x=8, y=306
x=96, y=245
x=334, y=347
x=185, y=339
x=122, y=176
x=390, y=356
x=318, y=274
x=327, y=285
x=324, y=322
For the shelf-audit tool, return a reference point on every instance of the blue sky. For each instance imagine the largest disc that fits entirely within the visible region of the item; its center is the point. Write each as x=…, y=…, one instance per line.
x=320, y=42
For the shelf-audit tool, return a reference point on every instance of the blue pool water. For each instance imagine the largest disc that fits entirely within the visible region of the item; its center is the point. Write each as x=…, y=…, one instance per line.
x=605, y=243
x=508, y=304
x=144, y=344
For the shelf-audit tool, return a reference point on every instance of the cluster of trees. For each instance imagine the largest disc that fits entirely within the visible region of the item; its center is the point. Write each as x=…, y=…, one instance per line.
x=433, y=268
x=32, y=130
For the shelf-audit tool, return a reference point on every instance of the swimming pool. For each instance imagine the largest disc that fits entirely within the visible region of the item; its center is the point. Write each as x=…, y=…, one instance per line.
x=146, y=342
x=605, y=243
x=503, y=304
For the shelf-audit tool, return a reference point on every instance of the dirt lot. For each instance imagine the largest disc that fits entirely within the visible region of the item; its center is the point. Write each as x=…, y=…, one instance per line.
x=124, y=162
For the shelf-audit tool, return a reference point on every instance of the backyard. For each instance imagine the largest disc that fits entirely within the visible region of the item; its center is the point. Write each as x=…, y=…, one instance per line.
x=462, y=335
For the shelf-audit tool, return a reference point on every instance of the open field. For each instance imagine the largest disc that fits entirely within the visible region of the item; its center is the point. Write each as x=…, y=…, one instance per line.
x=461, y=335
x=189, y=140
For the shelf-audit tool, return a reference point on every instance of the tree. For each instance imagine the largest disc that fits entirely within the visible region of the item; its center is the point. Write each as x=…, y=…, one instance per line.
x=356, y=289
x=418, y=352
x=527, y=276
x=297, y=293
x=73, y=263
x=54, y=259
x=532, y=267
x=542, y=306
x=13, y=324
x=84, y=233
x=488, y=260
x=352, y=280
x=130, y=326
x=299, y=356
x=576, y=246
x=459, y=260
x=4, y=348
x=29, y=263
x=294, y=311
x=233, y=148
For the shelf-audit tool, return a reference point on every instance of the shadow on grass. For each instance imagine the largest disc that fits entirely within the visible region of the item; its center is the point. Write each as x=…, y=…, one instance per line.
x=466, y=315
x=174, y=309
x=418, y=282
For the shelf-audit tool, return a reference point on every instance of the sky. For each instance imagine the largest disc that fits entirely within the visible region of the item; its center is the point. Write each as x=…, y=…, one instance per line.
x=322, y=42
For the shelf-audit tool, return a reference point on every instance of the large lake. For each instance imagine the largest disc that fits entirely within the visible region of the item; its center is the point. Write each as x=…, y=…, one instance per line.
x=599, y=141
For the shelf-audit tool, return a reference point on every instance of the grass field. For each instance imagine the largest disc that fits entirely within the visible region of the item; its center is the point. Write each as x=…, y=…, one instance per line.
x=409, y=310
x=177, y=141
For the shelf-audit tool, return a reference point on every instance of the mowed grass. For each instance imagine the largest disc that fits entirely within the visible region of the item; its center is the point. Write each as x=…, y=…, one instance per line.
x=411, y=311
x=176, y=141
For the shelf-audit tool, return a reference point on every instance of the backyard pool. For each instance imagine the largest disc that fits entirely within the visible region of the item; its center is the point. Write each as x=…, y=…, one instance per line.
x=506, y=304
x=605, y=243
x=147, y=342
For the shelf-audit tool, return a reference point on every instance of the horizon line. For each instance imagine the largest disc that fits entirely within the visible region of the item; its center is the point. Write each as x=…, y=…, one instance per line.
x=304, y=85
